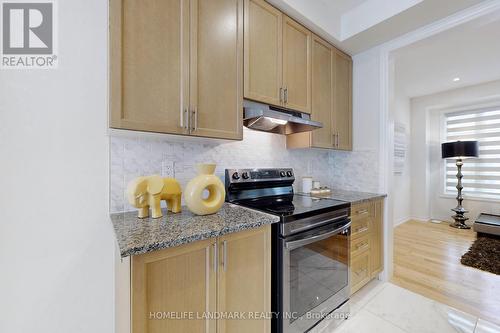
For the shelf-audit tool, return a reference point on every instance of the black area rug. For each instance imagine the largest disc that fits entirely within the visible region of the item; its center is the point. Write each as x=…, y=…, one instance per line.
x=484, y=254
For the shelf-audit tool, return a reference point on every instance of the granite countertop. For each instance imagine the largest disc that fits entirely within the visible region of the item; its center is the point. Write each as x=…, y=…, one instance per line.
x=137, y=236
x=353, y=197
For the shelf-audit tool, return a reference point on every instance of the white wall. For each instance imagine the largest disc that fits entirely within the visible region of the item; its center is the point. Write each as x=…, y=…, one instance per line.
x=402, y=182
x=426, y=169
x=366, y=101
x=56, y=241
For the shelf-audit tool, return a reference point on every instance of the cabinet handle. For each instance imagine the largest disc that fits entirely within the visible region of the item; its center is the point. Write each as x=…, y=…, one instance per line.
x=195, y=122
x=281, y=95
x=224, y=255
x=216, y=256
x=286, y=95
x=183, y=121
x=362, y=211
x=360, y=271
x=361, y=246
x=359, y=230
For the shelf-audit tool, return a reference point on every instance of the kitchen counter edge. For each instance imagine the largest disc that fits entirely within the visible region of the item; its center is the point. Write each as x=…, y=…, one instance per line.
x=354, y=197
x=138, y=236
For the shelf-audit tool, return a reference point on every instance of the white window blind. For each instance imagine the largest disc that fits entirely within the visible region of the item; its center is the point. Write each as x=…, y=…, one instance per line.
x=482, y=175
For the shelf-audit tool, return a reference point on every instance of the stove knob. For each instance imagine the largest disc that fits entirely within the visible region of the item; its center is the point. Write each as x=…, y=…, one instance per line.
x=283, y=174
x=289, y=173
x=245, y=175
x=236, y=176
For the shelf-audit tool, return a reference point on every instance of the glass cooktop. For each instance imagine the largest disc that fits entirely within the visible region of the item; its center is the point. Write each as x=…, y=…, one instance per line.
x=293, y=205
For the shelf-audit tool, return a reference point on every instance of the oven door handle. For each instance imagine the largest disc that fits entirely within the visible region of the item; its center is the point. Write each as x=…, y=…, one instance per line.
x=301, y=242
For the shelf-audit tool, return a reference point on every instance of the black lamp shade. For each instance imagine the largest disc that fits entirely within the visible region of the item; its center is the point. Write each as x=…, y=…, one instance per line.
x=460, y=149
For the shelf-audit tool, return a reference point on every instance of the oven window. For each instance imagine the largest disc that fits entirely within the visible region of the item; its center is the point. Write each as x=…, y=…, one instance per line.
x=317, y=272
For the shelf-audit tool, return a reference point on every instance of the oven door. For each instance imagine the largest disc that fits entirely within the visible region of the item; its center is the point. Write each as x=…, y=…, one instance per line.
x=315, y=275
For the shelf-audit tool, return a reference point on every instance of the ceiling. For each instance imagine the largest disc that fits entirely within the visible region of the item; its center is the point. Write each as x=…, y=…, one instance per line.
x=342, y=6
x=357, y=25
x=470, y=51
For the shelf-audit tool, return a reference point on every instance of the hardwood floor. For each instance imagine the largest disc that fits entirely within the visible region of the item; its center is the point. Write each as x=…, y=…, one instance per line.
x=427, y=262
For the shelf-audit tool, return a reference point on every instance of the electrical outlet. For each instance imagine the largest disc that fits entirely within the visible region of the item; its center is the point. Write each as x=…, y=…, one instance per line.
x=167, y=169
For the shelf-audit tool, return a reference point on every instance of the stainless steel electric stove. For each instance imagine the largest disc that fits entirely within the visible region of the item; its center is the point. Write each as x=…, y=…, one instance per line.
x=310, y=259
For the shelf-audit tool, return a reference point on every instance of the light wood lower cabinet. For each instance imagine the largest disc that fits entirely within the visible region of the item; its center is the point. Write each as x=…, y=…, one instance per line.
x=366, y=243
x=229, y=274
x=176, y=66
x=244, y=280
x=377, y=236
x=174, y=281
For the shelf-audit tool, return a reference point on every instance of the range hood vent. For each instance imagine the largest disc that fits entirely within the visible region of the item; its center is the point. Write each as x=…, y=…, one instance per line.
x=266, y=118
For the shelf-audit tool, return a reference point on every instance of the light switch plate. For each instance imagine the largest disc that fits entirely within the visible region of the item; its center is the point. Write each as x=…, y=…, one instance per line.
x=167, y=169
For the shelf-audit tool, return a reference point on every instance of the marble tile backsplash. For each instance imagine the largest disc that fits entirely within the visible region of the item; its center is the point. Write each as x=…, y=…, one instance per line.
x=134, y=155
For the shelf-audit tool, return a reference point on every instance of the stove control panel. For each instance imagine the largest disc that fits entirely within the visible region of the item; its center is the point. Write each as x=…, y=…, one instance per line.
x=259, y=175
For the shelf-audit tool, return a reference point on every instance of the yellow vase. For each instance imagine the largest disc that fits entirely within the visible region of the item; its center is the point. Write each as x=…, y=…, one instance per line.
x=195, y=189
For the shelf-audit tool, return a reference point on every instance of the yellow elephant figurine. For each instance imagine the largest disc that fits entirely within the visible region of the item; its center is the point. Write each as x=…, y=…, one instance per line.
x=145, y=192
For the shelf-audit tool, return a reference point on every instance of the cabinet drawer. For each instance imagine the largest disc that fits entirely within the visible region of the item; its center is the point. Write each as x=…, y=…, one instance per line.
x=360, y=211
x=360, y=245
x=360, y=228
x=360, y=271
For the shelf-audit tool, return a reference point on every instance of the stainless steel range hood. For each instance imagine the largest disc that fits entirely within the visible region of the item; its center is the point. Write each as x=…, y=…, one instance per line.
x=266, y=118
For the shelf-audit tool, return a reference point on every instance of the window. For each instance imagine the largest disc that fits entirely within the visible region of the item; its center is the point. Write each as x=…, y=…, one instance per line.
x=482, y=175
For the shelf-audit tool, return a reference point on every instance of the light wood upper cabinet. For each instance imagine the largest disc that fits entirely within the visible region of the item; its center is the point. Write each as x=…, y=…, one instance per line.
x=216, y=68
x=228, y=274
x=244, y=279
x=177, y=66
x=322, y=92
x=277, y=58
x=148, y=82
x=343, y=101
x=331, y=100
x=263, y=52
x=296, y=66
x=177, y=280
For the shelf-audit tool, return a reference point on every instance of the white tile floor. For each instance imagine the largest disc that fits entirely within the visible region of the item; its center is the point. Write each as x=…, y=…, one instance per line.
x=387, y=308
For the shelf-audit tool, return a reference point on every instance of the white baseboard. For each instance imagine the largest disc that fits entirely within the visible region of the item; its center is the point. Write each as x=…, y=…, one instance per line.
x=401, y=221
x=406, y=219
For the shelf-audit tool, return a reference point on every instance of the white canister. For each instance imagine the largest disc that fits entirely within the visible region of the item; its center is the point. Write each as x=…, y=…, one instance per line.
x=307, y=183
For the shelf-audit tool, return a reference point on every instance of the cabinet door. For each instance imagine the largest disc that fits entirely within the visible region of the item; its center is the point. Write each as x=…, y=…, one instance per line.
x=360, y=271
x=216, y=70
x=343, y=101
x=263, y=52
x=322, y=92
x=245, y=280
x=376, y=244
x=177, y=280
x=149, y=62
x=296, y=65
